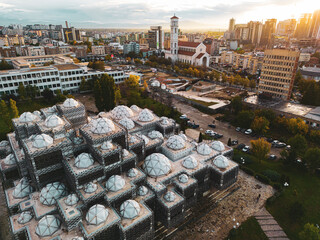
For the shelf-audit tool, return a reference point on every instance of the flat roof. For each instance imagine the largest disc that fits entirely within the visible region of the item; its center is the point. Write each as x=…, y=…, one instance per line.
x=70, y=66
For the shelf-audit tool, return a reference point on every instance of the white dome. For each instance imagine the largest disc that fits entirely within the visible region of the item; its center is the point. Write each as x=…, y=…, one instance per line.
x=25, y=217
x=132, y=172
x=78, y=140
x=176, y=142
x=27, y=117
x=37, y=113
x=135, y=108
x=97, y=214
x=121, y=111
x=155, y=83
x=169, y=196
x=221, y=161
x=183, y=178
x=4, y=143
x=70, y=102
x=22, y=189
x=145, y=115
x=42, y=140
x=127, y=123
x=142, y=191
x=125, y=153
x=72, y=199
x=52, y=192
x=53, y=121
x=107, y=145
x=47, y=226
x=190, y=162
x=115, y=183
x=164, y=121
x=129, y=209
x=163, y=86
x=204, y=149
x=144, y=138
x=132, y=139
x=84, y=160
x=10, y=160
x=181, y=134
x=90, y=187
x=51, y=109
x=155, y=134
x=217, y=146
x=157, y=165
x=102, y=126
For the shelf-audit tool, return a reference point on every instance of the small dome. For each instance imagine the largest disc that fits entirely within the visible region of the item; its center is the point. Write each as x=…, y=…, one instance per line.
x=163, y=86
x=164, y=121
x=183, y=178
x=121, y=111
x=22, y=189
x=129, y=209
x=169, y=196
x=97, y=214
x=27, y=117
x=107, y=145
x=142, y=191
x=157, y=165
x=132, y=139
x=37, y=113
x=72, y=199
x=90, y=187
x=144, y=138
x=181, y=134
x=176, y=142
x=53, y=121
x=127, y=123
x=115, y=183
x=204, y=149
x=42, y=140
x=132, y=172
x=25, y=217
x=155, y=83
x=102, y=126
x=52, y=109
x=52, y=192
x=221, y=161
x=135, y=108
x=10, y=160
x=217, y=146
x=47, y=226
x=4, y=143
x=190, y=162
x=125, y=153
x=84, y=160
x=155, y=134
x=70, y=103
x=145, y=115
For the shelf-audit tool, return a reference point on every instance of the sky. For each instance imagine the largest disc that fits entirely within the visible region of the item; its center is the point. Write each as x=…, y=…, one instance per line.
x=193, y=14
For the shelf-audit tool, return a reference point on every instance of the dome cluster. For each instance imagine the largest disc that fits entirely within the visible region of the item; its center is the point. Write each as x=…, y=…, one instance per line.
x=127, y=123
x=157, y=165
x=42, y=140
x=53, y=121
x=204, y=149
x=155, y=134
x=27, y=117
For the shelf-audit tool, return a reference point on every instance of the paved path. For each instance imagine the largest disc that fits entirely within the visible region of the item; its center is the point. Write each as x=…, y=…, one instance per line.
x=270, y=226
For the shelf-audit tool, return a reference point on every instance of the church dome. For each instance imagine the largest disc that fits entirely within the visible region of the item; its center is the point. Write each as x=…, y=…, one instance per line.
x=155, y=134
x=22, y=189
x=52, y=192
x=25, y=217
x=53, y=121
x=127, y=123
x=42, y=140
x=204, y=149
x=190, y=162
x=84, y=160
x=217, y=146
x=183, y=178
x=90, y=187
x=115, y=183
x=132, y=172
x=72, y=199
x=27, y=117
x=221, y=161
x=97, y=214
x=47, y=226
x=169, y=196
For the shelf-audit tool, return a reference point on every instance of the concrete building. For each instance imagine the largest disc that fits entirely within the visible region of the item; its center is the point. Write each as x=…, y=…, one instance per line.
x=10, y=40
x=131, y=47
x=304, y=57
x=304, y=26
x=98, y=50
x=314, y=31
x=286, y=27
x=7, y=51
x=255, y=32
x=278, y=72
x=156, y=37
x=231, y=24
x=269, y=28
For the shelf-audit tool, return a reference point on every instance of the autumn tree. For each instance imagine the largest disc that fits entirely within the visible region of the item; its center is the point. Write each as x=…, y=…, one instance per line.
x=297, y=126
x=117, y=95
x=260, y=148
x=5, y=114
x=252, y=84
x=132, y=82
x=13, y=109
x=260, y=125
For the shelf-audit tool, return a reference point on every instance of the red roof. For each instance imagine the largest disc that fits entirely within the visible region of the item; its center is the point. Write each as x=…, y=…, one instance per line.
x=200, y=55
x=174, y=17
x=187, y=53
x=208, y=46
x=188, y=44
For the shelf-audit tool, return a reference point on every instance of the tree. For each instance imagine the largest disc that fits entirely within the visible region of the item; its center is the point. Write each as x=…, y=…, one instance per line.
x=4, y=111
x=32, y=91
x=107, y=92
x=245, y=118
x=145, y=85
x=47, y=94
x=298, y=78
x=97, y=65
x=298, y=144
x=229, y=142
x=22, y=91
x=260, y=148
x=297, y=126
x=252, y=84
x=117, y=95
x=200, y=138
x=108, y=58
x=98, y=95
x=4, y=65
x=132, y=82
x=236, y=104
x=13, y=108
x=83, y=85
x=260, y=125
x=59, y=96
x=312, y=158
x=310, y=232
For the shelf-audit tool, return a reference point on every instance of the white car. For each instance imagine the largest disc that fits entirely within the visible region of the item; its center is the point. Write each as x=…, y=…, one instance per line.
x=248, y=131
x=183, y=116
x=246, y=148
x=209, y=132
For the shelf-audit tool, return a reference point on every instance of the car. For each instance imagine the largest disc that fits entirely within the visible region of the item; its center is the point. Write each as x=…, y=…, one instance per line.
x=272, y=157
x=288, y=147
x=209, y=132
x=238, y=129
x=183, y=116
x=212, y=125
x=246, y=149
x=217, y=135
x=241, y=146
x=274, y=143
x=234, y=142
x=248, y=131
x=281, y=145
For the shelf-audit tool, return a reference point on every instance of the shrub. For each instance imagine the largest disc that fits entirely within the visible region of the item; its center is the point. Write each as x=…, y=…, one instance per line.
x=262, y=178
x=274, y=176
x=277, y=186
x=247, y=170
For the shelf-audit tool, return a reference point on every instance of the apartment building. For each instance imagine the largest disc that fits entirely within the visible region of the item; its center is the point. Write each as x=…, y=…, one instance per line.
x=278, y=72
x=98, y=50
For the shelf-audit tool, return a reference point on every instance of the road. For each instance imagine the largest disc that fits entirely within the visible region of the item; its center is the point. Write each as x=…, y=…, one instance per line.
x=224, y=128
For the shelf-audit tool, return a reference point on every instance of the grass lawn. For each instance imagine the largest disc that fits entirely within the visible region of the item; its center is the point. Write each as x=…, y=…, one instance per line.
x=304, y=187
x=248, y=230
x=204, y=103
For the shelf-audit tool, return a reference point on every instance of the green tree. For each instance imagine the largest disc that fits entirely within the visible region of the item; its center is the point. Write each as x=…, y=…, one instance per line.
x=4, y=65
x=312, y=158
x=98, y=95
x=236, y=104
x=32, y=91
x=117, y=95
x=13, y=109
x=59, y=96
x=298, y=78
x=245, y=118
x=298, y=144
x=260, y=148
x=108, y=92
x=229, y=142
x=5, y=114
x=260, y=125
x=48, y=94
x=309, y=232
x=22, y=91
x=252, y=84
x=83, y=85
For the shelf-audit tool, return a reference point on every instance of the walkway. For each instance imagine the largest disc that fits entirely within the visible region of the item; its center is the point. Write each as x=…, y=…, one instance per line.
x=270, y=226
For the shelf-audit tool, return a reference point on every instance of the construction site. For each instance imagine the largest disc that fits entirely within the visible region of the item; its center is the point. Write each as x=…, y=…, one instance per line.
x=123, y=174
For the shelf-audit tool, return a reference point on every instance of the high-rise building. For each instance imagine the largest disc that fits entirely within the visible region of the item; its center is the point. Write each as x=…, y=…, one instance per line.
x=131, y=47
x=231, y=24
x=174, y=37
x=286, y=27
x=268, y=30
x=315, y=24
x=255, y=31
x=303, y=28
x=278, y=73
x=156, y=37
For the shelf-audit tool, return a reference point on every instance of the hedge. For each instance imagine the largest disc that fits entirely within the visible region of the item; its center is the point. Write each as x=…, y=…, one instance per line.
x=262, y=178
x=247, y=170
x=274, y=176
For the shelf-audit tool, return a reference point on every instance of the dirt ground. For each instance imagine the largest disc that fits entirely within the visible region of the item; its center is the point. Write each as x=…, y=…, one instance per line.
x=226, y=93
x=88, y=101
x=239, y=206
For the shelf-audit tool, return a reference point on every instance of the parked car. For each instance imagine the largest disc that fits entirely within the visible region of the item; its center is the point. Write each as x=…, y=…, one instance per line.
x=183, y=116
x=246, y=149
x=241, y=146
x=281, y=145
x=288, y=147
x=212, y=125
x=234, y=142
x=272, y=157
x=248, y=131
x=209, y=132
x=238, y=129
x=274, y=143
x=218, y=135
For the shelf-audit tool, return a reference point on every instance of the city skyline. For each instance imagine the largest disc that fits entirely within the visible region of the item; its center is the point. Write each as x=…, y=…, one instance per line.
x=125, y=14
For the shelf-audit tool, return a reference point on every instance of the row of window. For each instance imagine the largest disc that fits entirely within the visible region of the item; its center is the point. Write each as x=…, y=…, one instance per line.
x=277, y=68
x=276, y=79
x=26, y=76
x=70, y=73
x=278, y=63
x=280, y=57
x=274, y=90
x=275, y=84
x=25, y=83
x=280, y=74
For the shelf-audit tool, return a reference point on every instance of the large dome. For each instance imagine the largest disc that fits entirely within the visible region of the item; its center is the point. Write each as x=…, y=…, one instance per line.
x=129, y=209
x=204, y=149
x=176, y=142
x=47, y=226
x=10, y=160
x=52, y=192
x=42, y=140
x=102, y=126
x=115, y=183
x=70, y=103
x=84, y=160
x=127, y=123
x=145, y=115
x=121, y=111
x=157, y=165
x=53, y=121
x=217, y=146
x=190, y=162
x=97, y=214
x=22, y=189
x=155, y=134
x=107, y=145
x=27, y=117
x=221, y=161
